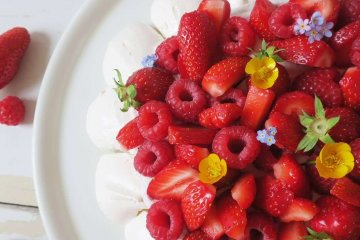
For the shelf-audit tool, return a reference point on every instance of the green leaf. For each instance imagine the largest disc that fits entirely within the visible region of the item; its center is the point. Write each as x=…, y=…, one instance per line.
x=319, y=108
x=119, y=82
x=263, y=45
x=271, y=50
x=318, y=236
x=277, y=58
x=306, y=120
x=307, y=143
x=311, y=145
x=327, y=139
x=332, y=122
x=131, y=91
x=126, y=106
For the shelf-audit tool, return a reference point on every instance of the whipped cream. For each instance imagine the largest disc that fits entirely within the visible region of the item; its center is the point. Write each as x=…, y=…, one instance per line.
x=127, y=49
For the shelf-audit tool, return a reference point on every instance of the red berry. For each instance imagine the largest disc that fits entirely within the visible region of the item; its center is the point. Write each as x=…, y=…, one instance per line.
x=219, y=116
x=355, y=150
x=260, y=226
x=153, y=120
x=233, y=95
x=196, y=202
x=351, y=88
x=347, y=190
x=171, y=181
x=238, y=145
x=319, y=184
x=300, y=210
x=337, y=218
x=273, y=196
x=164, y=220
x=197, y=235
x=349, y=11
x=186, y=100
x=298, y=50
x=292, y=231
x=283, y=18
x=329, y=9
x=212, y=225
x=14, y=44
x=129, y=136
x=150, y=84
x=12, y=110
x=197, y=41
x=237, y=37
x=219, y=10
x=355, y=52
x=266, y=158
x=191, y=135
x=152, y=157
x=191, y=154
x=322, y=83
x=244, y=191
x=283, y=82
x=167, y=53
x=259, y=19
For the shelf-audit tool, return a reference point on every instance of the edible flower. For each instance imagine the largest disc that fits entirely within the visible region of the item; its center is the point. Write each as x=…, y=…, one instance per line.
x=302, y=26
x=212, y=169
x=326, y=29
x=316, y=127
x=149, y=61
x=317, y=19
x=314, y=34
x=335, y=160
x=267, y=136
x=263, y=68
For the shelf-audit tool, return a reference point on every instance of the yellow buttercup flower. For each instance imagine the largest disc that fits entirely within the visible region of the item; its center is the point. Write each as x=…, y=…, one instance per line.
x=212, y=169
x=335, y=160
x=263, y=72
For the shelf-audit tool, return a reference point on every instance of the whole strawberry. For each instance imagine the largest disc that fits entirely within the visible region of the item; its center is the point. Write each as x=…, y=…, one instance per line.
x=259, y=19
x=12, y=111
x=197, y=43
x=13, y=45
x=350, y=86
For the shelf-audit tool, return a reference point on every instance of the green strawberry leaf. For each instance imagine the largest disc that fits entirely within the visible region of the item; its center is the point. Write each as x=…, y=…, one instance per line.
x=317, y=236
x=327, y=139
x=319, y=108
x=332, y=122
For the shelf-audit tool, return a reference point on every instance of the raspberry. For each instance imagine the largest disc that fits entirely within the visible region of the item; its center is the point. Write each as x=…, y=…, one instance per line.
x=267, y=157
x=355, y=52
x=153, y=120
x=165, y=220
x=260, y=226
x=186, y=100
x=282, y=19
x=12, y=111
x=167, y=53
x=320, y=184
x=152, y=157
x=349, y=11
x=237, y=37
x=233, y=95
x=238, y=145
x=355, y=149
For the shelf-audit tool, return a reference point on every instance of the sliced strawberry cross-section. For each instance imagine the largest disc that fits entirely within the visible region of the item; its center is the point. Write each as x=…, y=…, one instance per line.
x=347, y=190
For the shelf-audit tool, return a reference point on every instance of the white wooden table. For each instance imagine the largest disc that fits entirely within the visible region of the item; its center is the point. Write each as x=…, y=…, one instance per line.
x=45, y=20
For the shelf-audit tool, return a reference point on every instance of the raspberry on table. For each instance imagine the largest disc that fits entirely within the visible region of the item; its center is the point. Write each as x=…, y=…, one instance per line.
x=12, y=111
x=152, y=157
x=153, y=120
x=167, y=53
x=238, y=145
x=186, y=100
x=165, y=220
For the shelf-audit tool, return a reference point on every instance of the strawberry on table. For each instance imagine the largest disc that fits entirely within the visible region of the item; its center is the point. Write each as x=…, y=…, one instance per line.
x=220, y=116
x=350, y=86
x=219, y=10
x=261, y=225
x=224, y=75
x=300, y=210
x=197, y=41
x=244, y=191
x=212, y=225
x=191, y=154
x=191, y=135
x=292, y=231
x=347, y=190
x=329, y=9
x=129, y=136
x=259, y=19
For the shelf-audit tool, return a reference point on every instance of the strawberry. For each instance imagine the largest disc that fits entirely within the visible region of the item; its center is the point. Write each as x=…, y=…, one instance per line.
x=283, y=82
x=12, y=111
x=349, y=11
x=219, y=116
x=244, y=191
x=351, y=88
x=292, y=174
x=273, y=196
x=266, y=158
x=191, y=154
x=294, y=104
x=196, y=202
x=337, y=218
x=13, y=45
x=300, y=210
x=292, y=231
x=259, y=19
x=191, y=135
x=171, y=182
x=212, y=225
x=260, y=226
x=232, y=217
x=355, y=52
x=197, y=235
x=257, y=106
x=289, y=131
x=342, y=41
x=347, y=190
x=219, y=10
x=129, y=136
x=319, y=184
x=322, y=83
x=355, y=150
x=299, y=51
x=197, y=44
x=329, y=9
x=223, y=75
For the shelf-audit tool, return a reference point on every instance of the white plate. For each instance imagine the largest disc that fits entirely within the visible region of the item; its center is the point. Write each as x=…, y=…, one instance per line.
x=64, y=157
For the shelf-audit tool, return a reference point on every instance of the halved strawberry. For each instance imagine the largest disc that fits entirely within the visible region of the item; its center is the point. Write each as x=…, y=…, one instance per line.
x=329, y=9
x=129, y=136
x=196, y=202
x=259, y=19
x=191, y=154
x=244, y=191
x=171, y=182
x=223, y=75
x=299, y=51
x=294, y=103
x=292, y=231
x=191, y=135
x=232, y=217
x=292, y=174
x=212, y=225
x=300, y=210
x=219, y=10
x=257, y=106
x=347, y=190
x=220, y=115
